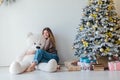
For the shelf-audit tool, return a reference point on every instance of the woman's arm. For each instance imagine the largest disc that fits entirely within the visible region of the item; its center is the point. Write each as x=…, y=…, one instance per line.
x=30, y=52
x=47, y=44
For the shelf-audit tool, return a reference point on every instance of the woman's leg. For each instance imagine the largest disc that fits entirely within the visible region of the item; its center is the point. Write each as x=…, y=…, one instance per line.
x=48, y=56
x=52, y=56
x=31, y=67
x=43, y=56
x=37, y=58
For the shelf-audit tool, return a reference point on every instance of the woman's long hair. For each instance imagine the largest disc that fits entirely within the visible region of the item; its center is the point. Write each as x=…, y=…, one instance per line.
x=50, y=35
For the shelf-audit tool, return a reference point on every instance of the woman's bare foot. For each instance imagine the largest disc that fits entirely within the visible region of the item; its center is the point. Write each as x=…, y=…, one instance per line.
x=31, y=67
x=58, y=67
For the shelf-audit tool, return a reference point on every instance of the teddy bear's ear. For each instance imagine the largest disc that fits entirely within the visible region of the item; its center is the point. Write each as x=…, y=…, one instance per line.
x=29, y=34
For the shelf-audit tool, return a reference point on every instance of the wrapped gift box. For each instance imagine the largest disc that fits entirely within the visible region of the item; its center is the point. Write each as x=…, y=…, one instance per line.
x=114, y=66
x=84, y=66
x=103, y=60
x=86, y=63
x=72, y=67
x=98, y=67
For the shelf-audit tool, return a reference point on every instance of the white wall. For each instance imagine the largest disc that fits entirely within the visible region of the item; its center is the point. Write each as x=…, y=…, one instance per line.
x=16, y=20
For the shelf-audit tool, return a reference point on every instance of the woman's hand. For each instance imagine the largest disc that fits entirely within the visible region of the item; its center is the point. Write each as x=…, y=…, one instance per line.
x=30, y=52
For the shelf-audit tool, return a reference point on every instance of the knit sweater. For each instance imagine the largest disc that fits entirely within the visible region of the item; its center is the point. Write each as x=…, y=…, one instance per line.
x=47, y=45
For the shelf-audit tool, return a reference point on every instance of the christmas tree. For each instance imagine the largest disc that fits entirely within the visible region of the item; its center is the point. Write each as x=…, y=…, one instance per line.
x=7, y=2
x=99, y=30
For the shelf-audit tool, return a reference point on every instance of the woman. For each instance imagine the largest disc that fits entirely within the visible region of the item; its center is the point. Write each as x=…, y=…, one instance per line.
x=47, y=49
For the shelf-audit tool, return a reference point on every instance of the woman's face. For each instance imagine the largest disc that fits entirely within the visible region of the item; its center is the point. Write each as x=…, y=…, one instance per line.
x=46, y=34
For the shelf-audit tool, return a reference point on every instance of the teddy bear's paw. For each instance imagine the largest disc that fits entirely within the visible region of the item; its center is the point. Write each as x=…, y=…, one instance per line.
x=52, y=65
x=14, y=68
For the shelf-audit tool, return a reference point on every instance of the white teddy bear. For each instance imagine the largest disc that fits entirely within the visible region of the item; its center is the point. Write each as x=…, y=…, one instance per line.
x=23, y=62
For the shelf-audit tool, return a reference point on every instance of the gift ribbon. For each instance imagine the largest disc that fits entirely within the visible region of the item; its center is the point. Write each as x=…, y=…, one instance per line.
x=114, y=66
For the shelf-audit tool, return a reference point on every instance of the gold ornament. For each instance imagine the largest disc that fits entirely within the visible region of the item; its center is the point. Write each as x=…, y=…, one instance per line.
x=93, y=15
x=110, y=19
x=96, y=21
x=106, y=14
x=106, y=40
x=85, y=43
x=100, y=2
x=97, y=9
x=81, y=28
x=82, y=40
x=111, y=7
x=117, y=42
x=107, y=50
x=114, y=20
x=109, y=34
x=88, y=23
x=101, y=50
x=111, y=29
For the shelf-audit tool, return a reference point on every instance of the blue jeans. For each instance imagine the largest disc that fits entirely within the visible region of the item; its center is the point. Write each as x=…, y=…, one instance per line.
x=44, y=56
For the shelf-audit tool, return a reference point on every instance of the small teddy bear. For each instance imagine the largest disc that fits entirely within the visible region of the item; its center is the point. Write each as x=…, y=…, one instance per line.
x=23, y=62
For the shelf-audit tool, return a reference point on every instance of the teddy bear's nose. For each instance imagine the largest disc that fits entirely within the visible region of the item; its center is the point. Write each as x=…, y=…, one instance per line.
x=38, y=47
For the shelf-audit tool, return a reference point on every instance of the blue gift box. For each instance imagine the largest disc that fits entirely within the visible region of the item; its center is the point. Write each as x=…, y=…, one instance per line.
x=86, y=60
